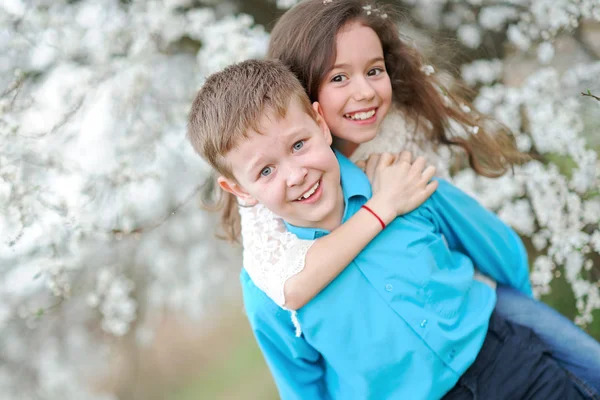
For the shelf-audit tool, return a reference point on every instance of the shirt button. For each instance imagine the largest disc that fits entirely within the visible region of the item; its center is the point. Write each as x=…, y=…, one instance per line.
x=388, y=288
x=452, y=354
x=423, y=323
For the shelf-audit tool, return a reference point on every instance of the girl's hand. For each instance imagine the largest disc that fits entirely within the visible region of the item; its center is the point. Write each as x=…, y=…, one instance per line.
x=399, y=185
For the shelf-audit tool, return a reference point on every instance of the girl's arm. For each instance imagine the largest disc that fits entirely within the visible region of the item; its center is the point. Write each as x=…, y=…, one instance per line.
x=398, y=188
x=291, y=271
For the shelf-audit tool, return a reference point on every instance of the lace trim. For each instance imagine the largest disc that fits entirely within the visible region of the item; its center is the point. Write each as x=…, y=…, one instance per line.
x=271, y=254
x=296, y=323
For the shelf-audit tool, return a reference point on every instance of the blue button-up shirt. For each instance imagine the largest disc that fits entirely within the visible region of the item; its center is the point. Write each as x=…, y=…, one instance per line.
x=405, y=319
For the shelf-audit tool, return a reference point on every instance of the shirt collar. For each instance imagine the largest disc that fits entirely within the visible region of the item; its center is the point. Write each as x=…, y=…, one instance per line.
x=354, y=183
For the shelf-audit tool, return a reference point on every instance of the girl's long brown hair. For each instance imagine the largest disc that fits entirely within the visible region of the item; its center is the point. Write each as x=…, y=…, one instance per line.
x=304, y=38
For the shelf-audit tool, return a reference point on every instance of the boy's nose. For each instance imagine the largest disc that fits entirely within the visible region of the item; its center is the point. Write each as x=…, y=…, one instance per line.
x=296, y=176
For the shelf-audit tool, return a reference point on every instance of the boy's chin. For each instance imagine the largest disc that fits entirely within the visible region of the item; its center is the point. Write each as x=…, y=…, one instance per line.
x=306, y=221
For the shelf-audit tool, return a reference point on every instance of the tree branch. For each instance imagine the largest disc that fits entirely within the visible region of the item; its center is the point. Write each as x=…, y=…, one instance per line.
x=589, y=94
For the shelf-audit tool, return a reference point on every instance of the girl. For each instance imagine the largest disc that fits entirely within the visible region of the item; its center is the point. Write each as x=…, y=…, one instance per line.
x=356, y=81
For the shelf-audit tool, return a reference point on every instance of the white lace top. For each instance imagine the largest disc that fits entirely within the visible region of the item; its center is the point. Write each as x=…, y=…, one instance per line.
x=272, y=255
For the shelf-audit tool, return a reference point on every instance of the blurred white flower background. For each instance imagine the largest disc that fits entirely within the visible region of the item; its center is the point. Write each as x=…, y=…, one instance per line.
x=102, y=240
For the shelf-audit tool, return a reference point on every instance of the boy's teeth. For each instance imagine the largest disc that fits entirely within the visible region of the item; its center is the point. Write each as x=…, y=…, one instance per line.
x=310, y=192
x=360, y=115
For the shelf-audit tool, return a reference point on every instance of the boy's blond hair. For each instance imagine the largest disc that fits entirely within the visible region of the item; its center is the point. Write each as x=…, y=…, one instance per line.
x=230, y=104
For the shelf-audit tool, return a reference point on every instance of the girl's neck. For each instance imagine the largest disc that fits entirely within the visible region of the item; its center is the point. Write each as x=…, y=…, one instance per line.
x=345, y=147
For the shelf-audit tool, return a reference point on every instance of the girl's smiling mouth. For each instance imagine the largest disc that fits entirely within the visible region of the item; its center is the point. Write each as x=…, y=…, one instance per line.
x=362, y=116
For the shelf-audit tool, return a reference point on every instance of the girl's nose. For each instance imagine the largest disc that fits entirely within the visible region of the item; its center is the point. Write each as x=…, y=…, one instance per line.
x=363, y=90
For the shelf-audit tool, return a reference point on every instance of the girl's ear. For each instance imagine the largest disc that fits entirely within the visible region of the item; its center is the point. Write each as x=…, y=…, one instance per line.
x=234, y=188
x=320, y=119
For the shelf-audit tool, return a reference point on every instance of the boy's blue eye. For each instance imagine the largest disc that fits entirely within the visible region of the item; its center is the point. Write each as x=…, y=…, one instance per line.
x=266, y=171
x=298, y=145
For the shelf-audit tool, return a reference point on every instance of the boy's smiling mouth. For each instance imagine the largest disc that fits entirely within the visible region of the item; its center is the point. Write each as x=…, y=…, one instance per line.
x=310, y=193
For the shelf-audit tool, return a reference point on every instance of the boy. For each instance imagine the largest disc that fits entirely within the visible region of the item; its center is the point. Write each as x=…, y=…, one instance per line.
x=405, y=319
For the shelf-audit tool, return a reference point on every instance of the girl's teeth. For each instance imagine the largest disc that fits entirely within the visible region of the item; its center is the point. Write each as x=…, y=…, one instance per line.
x=360, y=115
x=310, y=192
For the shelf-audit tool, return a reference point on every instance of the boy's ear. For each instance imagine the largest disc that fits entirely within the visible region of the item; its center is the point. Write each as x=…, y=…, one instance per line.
x=234, y=188
x=321, y=122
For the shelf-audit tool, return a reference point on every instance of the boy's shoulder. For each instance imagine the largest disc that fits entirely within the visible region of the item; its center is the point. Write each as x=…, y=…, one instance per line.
x=445, y=191
x=444, y=196
x=259, y=307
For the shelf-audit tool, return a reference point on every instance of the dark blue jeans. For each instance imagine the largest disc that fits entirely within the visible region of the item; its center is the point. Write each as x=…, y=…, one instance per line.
x=574, y=349
x=514, y=363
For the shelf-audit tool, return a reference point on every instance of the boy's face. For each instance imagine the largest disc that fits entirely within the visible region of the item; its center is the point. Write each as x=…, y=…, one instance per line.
x=290, y=168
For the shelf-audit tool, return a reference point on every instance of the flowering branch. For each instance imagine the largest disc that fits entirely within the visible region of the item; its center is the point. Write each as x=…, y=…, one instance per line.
x=589, y=94
x=121, y=233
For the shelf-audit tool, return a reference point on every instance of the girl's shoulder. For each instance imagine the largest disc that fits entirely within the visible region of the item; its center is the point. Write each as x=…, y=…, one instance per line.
x=399, y=132
x=395, y=133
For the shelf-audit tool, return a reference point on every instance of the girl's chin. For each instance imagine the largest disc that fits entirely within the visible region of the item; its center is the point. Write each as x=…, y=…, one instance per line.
x=360, y=136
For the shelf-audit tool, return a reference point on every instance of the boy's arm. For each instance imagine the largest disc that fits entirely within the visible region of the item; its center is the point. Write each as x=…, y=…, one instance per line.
x=468, y=227
x=398, y=187
x=297, y=368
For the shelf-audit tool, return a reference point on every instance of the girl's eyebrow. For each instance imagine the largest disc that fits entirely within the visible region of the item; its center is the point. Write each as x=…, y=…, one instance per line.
x=346, y=65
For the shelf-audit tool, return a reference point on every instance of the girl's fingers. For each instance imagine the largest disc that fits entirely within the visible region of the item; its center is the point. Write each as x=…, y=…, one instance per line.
x=429, y=173
x=429, y=189
x=371, y=165
x=386, y=159
x=361, y=164
x=421, y=196
x=419, y=164
x=405, y=156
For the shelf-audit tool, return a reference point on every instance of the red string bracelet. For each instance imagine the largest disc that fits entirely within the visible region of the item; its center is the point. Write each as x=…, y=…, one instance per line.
x=375, y=215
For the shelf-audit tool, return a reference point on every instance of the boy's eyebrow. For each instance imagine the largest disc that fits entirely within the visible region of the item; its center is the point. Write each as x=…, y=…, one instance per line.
x=254, y=162
x=371, y=61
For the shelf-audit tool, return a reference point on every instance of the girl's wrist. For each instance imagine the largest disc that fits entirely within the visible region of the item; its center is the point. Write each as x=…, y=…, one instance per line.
x=384, y=212
x=374, y=214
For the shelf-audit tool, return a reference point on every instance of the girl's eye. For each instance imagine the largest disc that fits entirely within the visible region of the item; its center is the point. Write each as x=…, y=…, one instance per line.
x=266, y=171
x=375, y=71
x=338, y=78
x=298, y=145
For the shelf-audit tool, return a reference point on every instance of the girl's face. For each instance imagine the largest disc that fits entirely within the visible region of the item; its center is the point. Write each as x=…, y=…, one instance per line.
x=356, y=94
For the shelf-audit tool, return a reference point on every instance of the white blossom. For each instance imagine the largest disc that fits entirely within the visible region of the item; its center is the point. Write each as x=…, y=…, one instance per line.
x=495, y=18
x=545, y=52
x=284, y=4
x=482, y=71
x=99, y=225
x=469, y=35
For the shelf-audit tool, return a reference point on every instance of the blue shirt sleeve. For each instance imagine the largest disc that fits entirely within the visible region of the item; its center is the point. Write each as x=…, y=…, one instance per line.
x=469, y=228
x=295, y=365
